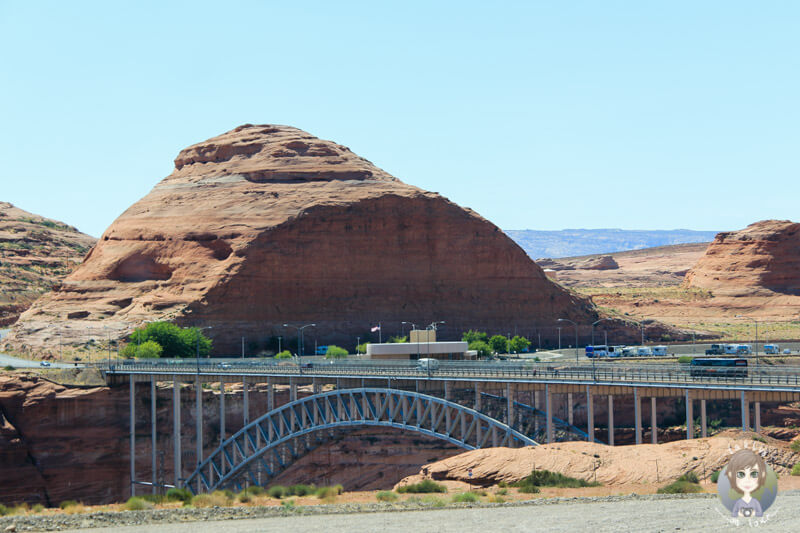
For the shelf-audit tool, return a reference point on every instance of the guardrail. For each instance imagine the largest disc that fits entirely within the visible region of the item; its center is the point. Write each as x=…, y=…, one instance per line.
x=787, y=376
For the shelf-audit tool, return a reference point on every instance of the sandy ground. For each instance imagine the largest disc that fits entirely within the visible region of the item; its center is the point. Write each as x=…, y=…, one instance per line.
x=684, y=514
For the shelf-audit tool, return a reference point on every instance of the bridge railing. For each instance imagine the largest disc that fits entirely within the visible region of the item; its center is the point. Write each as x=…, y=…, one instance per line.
x=789, y=376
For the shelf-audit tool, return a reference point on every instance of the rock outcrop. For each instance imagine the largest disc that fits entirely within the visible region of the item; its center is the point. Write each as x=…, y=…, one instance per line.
x=761, y=259
x=36, y=253
x=266, y=225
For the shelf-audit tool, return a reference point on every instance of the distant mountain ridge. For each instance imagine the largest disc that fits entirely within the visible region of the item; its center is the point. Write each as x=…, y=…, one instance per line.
x=578, y=242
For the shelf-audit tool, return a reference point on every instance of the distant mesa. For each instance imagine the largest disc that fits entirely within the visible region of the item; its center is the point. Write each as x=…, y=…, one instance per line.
x=36, y=253
x=266, y=225
x=603, y=262
x=763, y=258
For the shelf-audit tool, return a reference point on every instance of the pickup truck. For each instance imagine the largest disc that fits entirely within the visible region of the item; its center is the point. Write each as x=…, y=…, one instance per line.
x=716, y=349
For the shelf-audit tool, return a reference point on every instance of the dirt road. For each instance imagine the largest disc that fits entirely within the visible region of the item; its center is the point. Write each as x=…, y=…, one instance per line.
x=626, y=515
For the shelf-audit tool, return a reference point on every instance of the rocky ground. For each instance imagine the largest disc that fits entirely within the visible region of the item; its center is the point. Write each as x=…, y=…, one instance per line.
x=616, y=513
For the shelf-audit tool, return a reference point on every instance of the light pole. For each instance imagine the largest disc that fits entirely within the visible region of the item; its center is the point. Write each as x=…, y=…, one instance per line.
x=559, y=338
x=594, y=324
x=431, y=326
x=576, y=334
x=299, y=338
x=413, y=327
x=358, y=345
x=756, y=340
x=594, y=354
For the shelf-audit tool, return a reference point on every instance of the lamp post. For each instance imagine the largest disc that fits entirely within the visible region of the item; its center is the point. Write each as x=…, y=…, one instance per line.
x=197, y=352
x=594, y=324
x=299, y=338
x=756, y=339
x=594, y=357
x=431, y=326
x=358, y=345
x=576, y=335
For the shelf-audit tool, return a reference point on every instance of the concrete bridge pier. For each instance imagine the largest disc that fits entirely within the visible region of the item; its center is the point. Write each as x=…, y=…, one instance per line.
x=689, y=415
x=610, y=419
x=176, y=430
x=509, y=405
x=757, y=416
x=703, y=423
x=548, y=407
x=133, y=434
x=198, y=424
x=569, y=409
x=153, y=442
x=589, y=414
x=637, y=415
x=745, y=412
x=653, y=421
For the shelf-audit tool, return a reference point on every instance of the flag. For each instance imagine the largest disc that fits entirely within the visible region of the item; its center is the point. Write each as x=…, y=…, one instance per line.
x=376, y=328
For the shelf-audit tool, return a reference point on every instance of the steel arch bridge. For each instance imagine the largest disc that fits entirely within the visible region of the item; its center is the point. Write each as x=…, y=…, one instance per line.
x=260, y=442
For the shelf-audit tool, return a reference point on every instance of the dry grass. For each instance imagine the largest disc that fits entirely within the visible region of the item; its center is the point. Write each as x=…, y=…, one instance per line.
x=667, y=292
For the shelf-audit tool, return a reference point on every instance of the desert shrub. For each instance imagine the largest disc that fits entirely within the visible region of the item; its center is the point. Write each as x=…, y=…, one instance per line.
x=796, y=469
x=328, y=493
x=495, y=498
x=215, y=499
x=287, y=505
x=153, y=498
x=691, y=477
x=795, y=446
x=759, y=439
x=244, y=498
x=179, y=495
x=67, y=504
x=286, y=354
x=255, y=490
x=680, y=487
x=502, y=492
x=228, y=493
x=335, y=352
x=3, y=510
x=715, y=476
x=433, y=501
x=137, y=504
x=9, y=368
x=386, y=496
x=277, y=491
x=502, y=484
x=37, y=508
x=423, y=487
x=300, y=490
x=466, y=497
x=546, y=478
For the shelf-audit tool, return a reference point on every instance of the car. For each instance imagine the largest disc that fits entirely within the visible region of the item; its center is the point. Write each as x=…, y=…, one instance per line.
x=45, y=363
x=787, y=351
x=224, y=365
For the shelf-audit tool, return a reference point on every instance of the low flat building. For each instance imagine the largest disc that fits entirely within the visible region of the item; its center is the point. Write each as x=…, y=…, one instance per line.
x=456, y=350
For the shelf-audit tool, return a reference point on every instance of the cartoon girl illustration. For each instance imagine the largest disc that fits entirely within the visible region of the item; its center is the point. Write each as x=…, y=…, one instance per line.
x=746, y=473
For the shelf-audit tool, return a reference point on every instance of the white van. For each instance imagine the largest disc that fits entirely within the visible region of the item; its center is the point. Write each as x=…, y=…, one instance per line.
x=628, y=351
x=643, y=351
x=659, y=350
x=731, y=349
x=772, y=348
x=428, y=364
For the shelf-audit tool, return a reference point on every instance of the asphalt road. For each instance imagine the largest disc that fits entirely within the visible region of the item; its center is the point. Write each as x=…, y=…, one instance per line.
x=16, y=362
x=628, y=515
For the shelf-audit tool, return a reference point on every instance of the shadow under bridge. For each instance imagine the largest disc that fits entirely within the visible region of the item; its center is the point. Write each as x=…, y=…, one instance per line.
x=268, y=445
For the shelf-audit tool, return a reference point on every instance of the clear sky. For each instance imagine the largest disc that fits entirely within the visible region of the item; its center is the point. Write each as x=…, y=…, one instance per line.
x=538, y=115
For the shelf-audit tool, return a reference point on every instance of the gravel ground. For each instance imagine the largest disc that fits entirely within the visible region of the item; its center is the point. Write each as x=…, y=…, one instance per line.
x=617, y=514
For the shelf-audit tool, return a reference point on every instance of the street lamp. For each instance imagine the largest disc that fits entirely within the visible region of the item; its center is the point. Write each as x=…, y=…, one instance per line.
x=576, y=334
x=299, y=337
x=413, y=327
x=593, y=325
x=756, y=340
x=431, y=326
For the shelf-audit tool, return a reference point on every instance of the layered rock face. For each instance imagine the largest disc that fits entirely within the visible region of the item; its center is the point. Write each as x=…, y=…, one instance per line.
x=266, y=225
x=36, y=253
x=762, y=259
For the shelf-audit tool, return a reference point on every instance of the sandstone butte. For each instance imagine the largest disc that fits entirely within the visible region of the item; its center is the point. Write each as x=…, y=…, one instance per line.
x=35, y=254
x=761, y=259
x=266, y=225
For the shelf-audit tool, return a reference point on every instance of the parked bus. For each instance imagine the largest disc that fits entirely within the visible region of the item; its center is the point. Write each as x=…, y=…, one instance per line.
x=723, y=367
x=772, y=349
x=600, y=350
x=659, y=350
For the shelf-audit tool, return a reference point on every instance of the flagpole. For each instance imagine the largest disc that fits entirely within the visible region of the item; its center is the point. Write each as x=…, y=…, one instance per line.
x=380, y=338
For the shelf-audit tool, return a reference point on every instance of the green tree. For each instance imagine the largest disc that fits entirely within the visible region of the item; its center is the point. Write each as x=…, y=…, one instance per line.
x=335, y=352
x=499, y=343
x=362, y=348
x=398, y=339
x=174, y=340
x=472, y=336
x=149, y=350
x=483, y=349
x=518, y=344
x=286, y=354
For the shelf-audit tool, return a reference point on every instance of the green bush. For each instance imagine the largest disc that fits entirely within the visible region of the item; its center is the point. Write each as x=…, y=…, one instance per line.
x=685, y=359
x=286, y=354
x=255, y=490
x=37, y=508
x=397, y=340
x=328, y=493
x=179, y=495
x=795, y=446
x=362, y=348
x=502, y=492
x=466, y=497
x=148, y=350
x=715, y=476
x=244, y=498
x=277, y=491
x=67, y=504
x=483, y=349
x=153, y=498
x=680, y=487
x=137, y=504
x=499, y=343
x=386, y=496
x=796, y=469
x=287, y=505
x=423, y=487
x=3, y=510
x=335, y=352
x=174, y=340
x=691, y=477
x=9, y=368
x=217, y=498
x=474, y=336
x=300, y=490
x=545, y=478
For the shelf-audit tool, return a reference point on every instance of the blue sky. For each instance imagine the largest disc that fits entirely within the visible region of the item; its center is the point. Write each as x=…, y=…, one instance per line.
x=540, y=115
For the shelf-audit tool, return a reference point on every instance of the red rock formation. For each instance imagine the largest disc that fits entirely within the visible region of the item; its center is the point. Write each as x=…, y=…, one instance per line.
x=265, y=225
x=763, y=258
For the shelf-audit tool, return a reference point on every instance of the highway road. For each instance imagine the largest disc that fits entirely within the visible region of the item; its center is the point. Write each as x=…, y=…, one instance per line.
x=16, y=362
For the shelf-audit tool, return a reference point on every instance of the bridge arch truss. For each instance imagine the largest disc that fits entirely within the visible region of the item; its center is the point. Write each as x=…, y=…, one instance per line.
x=262, y=443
